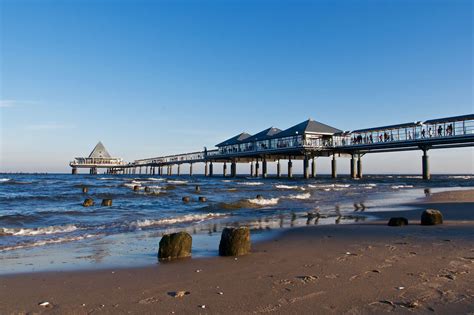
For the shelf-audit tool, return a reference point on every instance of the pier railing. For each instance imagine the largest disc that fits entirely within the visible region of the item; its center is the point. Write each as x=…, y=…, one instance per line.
x=428, y=130
x=409, y=134
x=97, y=161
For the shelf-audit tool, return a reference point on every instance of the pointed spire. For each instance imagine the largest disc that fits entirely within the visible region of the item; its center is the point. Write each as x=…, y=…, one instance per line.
x=99, y=151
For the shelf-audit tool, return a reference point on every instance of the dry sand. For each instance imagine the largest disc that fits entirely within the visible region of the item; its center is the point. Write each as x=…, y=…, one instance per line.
x=355, y=269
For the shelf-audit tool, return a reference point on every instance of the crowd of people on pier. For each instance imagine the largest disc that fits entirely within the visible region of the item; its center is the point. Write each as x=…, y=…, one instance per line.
x=396, y=135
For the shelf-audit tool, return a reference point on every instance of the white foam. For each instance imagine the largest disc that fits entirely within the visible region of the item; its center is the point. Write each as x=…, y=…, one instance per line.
x=4, y=179
x=326, y=186
x=299, y=196
x=178, y=182
x=402, y=186
x=461, y=176
x=48, y=242
x=156, y=179
x=251, y=183
x=288, y=187
x=169, y=221
x=38, y=231
x=131, y=185
x=264, y=202
x=106, y=178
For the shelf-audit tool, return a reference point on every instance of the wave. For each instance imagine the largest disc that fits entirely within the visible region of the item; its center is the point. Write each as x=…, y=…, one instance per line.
x=402, y=186
x=2, y=180
x=106, y=178
x=299, y=196
x=169, y=221
x=47, y=242
x=325, y=186
x=156, y=179
x=264, y=202
x=288, y=187
x=250, y=183
x=461, y=177
x=38, y=231
x=178, y=182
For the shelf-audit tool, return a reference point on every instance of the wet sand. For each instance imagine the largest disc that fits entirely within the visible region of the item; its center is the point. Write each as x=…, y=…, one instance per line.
x=363, y=268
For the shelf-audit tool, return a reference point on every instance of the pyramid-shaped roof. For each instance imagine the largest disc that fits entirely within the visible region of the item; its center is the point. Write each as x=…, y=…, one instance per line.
x=99, y=151
x=264, y=134
x=308, y=126
x=234, y=140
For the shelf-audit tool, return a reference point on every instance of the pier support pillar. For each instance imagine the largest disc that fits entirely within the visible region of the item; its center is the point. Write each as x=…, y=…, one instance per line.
x=179, y=169
x=290, y=168
x=251, y=168
x=233, y=169
x=359, y=167
x=264, y=168
x=257, y=167
x=211, y=169
x=206, y=169
x=306, y=167
x=313, y=168
x=426, y=165
x=140, y=170
x=334, y=166
x=74, y=171
x=353, y=167
x=190, y=169
x=278, y=168
x=224, y=169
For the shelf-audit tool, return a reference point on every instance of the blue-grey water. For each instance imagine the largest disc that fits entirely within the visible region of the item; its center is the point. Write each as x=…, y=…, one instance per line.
x=43, y=225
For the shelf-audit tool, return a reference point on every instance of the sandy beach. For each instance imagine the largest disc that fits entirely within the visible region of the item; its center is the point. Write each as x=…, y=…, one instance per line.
x=355, y=269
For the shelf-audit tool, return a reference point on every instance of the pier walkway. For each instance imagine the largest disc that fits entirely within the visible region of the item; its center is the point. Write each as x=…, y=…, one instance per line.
x=310, y=140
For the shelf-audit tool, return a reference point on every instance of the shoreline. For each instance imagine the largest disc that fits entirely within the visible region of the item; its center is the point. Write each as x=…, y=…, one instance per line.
x=355, y=268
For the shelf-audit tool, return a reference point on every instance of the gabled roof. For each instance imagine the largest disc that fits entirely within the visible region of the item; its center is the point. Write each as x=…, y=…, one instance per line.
x=234, y=140
x=263, y=135
x=308, y=126
x=99, y=151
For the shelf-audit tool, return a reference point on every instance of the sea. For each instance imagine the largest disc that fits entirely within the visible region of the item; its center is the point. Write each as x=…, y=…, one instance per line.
x=44, y=226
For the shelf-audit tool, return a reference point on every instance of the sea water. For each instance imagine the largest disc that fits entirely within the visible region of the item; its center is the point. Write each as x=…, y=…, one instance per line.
x=43, y=225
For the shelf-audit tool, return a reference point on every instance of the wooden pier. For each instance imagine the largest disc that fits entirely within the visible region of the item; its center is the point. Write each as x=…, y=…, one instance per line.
x=306, y=141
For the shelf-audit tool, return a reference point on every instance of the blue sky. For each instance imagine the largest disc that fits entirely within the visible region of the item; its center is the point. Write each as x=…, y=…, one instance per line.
x=159, y=77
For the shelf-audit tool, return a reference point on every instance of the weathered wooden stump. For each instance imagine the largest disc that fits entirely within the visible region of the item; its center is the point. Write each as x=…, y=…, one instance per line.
x=106, y=202
x=197, y=188
x=175, y=245
x=147, y=189
x=235, y=242
x=85, y=190
x=88, y=202
x=186, y=199
x=136, y=188
x=398, y=221
x=259, y=197
x=431, y=217
x=202, y=199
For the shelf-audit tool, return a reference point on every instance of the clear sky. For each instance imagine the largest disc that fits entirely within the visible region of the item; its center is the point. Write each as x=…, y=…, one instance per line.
x=158, y=77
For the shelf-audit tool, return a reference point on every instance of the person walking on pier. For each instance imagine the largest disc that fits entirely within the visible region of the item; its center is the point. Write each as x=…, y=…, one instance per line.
x=440, y=131
x=423, y=132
